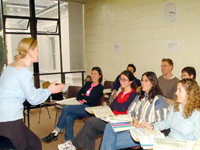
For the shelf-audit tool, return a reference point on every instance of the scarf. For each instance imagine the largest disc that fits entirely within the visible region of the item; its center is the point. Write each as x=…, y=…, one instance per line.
x=90, y=89
x=123, y=99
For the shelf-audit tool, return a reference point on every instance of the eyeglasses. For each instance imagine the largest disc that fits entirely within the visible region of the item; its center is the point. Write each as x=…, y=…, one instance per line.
x=123, y=80
x=144, y=80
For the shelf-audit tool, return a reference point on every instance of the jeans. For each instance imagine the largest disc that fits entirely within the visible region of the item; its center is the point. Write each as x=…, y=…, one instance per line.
x=69, y=114
x=87, y=135
x=116, y=140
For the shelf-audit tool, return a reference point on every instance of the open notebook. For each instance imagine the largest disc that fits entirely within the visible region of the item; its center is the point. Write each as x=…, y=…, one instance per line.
x=69, y=101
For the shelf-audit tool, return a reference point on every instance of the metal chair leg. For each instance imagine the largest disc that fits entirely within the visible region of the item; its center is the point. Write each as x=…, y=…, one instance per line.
x=39, y=114
x=48, y=111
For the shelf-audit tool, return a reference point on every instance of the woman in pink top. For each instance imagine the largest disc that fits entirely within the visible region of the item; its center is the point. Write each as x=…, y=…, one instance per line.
x=89, y=95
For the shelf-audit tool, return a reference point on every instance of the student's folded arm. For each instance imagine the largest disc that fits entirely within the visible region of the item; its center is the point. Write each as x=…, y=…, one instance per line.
x=125, y=105
x=95, y=93
x=79, y=95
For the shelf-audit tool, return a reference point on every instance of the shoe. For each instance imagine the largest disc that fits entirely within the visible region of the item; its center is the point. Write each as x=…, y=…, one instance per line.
x=66, y=146
x=51, y=137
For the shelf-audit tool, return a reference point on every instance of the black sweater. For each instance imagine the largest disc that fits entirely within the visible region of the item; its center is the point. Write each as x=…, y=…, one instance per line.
x=120, y=107
x=95, y=94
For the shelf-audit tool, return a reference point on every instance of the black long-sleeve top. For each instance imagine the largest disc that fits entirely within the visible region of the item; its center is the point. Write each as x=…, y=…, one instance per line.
x=121, y=107
x=95, y=94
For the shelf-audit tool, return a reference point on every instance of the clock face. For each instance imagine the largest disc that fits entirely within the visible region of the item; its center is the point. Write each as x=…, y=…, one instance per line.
x=170, y=12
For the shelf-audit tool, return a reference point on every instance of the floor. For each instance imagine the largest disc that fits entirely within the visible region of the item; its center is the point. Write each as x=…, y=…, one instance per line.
x=46, y=126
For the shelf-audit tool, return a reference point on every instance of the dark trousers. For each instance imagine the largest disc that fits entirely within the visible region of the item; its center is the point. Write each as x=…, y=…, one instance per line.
x=86, y=136
x=20, y=135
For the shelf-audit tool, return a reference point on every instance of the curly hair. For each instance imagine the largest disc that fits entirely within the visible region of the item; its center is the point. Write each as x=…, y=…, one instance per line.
x=193, y=100
x=154, y=90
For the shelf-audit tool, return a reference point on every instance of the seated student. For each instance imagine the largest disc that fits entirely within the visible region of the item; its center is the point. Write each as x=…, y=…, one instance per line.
x=116, y=84
x=95, y=126
x=183, y=118
x=89, y=95
x=133, y=86
x=148, y=106
x=188, y=72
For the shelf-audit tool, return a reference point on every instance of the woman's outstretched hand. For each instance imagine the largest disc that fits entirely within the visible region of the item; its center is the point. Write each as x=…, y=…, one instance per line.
x=55, y=88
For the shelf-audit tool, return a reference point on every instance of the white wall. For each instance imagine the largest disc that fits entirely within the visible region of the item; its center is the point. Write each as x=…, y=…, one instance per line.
x=143, y=33
x=76, y=42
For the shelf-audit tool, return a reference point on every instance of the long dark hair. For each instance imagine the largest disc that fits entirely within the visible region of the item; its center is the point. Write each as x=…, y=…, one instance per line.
x=130, y=77
x=155, y=88
x=128, y=74
x=98, y=69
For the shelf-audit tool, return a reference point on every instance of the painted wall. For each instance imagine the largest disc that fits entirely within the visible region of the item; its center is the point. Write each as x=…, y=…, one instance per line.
x=140, y=28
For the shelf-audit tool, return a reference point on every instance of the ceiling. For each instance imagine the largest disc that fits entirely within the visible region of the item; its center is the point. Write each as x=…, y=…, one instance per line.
x=80, y=1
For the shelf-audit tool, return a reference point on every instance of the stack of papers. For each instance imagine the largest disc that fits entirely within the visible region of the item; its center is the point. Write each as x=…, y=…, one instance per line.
x=121, y=125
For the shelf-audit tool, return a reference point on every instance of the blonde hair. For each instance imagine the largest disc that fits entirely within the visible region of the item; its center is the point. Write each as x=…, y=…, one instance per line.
x=24, y=46
x=193, y=100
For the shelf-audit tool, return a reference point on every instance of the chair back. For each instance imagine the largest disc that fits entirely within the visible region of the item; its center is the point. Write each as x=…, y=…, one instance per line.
x=108, y=85
x=45, y=85
x=88, y=79
x=73, y=91
x=101, y=100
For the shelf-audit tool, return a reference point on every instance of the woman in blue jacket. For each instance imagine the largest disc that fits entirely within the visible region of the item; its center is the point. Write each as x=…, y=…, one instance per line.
x=16, y=85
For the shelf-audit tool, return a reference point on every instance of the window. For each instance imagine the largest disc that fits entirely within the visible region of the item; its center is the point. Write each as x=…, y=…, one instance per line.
x=53, y=53
x=60, y=43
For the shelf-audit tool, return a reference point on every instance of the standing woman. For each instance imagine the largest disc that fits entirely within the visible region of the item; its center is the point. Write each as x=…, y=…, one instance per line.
x=184, y=117
x=16, y=85
x=88, y=96
x=148, y=106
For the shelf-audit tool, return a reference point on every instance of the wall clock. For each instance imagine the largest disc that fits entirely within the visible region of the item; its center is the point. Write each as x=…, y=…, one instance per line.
x=170, y=12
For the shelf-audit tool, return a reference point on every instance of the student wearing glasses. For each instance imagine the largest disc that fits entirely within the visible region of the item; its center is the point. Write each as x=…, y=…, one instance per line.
x=149, y=105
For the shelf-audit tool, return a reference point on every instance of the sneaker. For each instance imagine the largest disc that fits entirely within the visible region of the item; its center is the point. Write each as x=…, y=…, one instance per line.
x=51, y=137
x=66, y=146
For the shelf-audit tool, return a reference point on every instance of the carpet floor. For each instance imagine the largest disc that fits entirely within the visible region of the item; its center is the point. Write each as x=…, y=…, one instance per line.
x=46, y=126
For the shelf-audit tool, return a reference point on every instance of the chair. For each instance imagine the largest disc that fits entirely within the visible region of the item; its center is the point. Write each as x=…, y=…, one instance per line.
x=88, y=79
x=57, y=96
x=99, y=104
x=26, y=112
x=107, y=85
x=71, y=92
x=6, y=144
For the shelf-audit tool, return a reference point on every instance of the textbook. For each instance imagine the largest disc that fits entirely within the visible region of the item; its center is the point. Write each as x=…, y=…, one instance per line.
x=100, y=111
x=118, y=122
x=145, y=136
x=68, y=101
x=104, y=112
x=121, y=125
